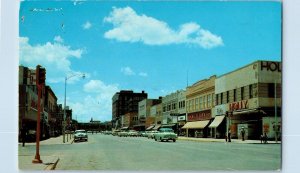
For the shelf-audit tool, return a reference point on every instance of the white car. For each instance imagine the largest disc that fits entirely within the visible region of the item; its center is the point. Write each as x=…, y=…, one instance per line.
x=80, y=135
x=165, y=134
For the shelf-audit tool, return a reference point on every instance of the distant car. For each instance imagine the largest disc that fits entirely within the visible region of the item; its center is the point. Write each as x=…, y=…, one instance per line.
x=107, y=132
x=151, y=134
x=123, y=134
x=133, y=133
x=80, y=135
x=165, y=134
x=115, y=132
x=141, y=133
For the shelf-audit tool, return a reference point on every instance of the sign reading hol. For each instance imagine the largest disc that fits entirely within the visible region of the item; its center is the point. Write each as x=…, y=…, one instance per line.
x=238, y=105
x=270, y=66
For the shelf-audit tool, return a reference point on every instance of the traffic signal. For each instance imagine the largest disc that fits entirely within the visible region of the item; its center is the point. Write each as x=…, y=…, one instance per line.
x=41, y=75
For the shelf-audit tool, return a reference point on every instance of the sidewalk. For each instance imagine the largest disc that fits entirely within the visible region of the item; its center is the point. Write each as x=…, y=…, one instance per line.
x=223, y=140
x=49, y=162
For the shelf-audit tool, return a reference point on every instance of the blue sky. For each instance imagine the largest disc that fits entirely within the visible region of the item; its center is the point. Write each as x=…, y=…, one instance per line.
x=145, y=45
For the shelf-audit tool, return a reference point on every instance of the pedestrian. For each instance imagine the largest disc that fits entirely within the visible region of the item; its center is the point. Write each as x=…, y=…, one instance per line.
x=229, y=135
x=243, y=133
x=23, y=134
x=265, y=138
x=261, y=138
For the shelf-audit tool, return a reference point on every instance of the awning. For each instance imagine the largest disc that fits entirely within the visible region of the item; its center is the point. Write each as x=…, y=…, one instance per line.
x=245, y=111
x=150, y=127
x=156, y=127
x=124, y=128
x=196, y=125
x=168, y=125
x=217, y=121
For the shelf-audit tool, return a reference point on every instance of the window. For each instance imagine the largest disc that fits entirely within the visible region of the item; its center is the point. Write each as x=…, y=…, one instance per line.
x=227, y=97
x=242, y=93
x=212, y=99
x=271, y=90
x=234, y=95
x=217, y=99
x=183, y=103
x=193, y=105
x=209, y=100
x=200, y=103
x=250, y=92
x=196, y=103
x=204, y=102
x=221, y=98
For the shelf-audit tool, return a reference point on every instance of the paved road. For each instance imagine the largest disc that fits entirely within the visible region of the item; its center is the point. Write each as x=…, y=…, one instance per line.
x=106, y=152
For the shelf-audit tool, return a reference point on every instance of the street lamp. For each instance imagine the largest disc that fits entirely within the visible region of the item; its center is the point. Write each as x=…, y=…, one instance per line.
x=64, y=122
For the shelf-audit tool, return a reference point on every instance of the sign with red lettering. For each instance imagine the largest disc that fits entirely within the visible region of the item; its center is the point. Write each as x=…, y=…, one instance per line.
x=238, y=105
x=198, y=116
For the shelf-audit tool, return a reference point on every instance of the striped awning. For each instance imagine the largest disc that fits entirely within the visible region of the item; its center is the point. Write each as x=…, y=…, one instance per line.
x=156, y=127
x=217, y=121
x=150, y=127
x=196, y=125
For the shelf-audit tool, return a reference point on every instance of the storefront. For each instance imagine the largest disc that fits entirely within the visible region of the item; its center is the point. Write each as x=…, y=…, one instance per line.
x=218, y=126
x=197, y=124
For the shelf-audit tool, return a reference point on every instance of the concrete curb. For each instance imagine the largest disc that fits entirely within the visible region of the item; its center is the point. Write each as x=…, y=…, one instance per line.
x=223, y=141
x=52, y=166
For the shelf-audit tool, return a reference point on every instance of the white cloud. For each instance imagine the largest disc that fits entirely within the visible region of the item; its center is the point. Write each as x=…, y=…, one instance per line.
x=87, y=25
x=97, y=104
x=127, y=71
x=54, y=56
x=58, y=39
x=143, y=74
x=131, y=27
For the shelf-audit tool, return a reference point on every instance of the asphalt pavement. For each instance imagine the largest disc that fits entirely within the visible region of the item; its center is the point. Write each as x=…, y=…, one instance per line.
x=50, y=161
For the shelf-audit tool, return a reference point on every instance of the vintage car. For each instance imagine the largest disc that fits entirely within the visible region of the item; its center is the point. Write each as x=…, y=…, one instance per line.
x=123, y=133
x=165, y=134
x=133, y=133
x=80, y=135
x=115, y=132
x=151, y=133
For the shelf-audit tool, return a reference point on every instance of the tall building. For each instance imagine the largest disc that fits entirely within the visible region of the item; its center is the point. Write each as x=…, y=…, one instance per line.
x=124, y=102
x=250, y=98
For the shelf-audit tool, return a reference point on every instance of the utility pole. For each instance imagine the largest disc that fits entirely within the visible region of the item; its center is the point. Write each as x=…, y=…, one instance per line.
x=40, y=82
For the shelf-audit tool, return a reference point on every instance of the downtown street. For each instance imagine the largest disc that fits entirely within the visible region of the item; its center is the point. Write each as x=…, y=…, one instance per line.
x=107, y=152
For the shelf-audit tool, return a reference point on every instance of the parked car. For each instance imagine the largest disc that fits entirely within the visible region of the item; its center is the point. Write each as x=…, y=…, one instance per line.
x=165, y=134
x=133, y=133
x=107, y=132
x=123, y=134
x=115, y=132
x=151, y=133
x=80, y=135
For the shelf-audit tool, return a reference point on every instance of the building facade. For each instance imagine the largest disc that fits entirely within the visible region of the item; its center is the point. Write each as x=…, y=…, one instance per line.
x=199, y=103
x=124, y=102
x=144, y=113
x=173, y=106
x=250, y=98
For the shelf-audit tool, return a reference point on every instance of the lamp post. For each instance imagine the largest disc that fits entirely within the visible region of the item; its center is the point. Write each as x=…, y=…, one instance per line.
x=64, y=122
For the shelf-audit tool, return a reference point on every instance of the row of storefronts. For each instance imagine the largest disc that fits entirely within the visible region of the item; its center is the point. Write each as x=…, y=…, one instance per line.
x=248, y=97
